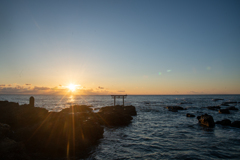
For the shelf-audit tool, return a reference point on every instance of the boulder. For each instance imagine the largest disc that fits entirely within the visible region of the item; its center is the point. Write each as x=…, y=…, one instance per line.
x=185, y=102
x=175, y=108
x=116, y=115
x=232, y=108
x=236, y=124
x=10, y=149
x=217, y=99
x=190, y=115
x=227, y=103
x=214, y=107
x=206, y=120
x=224, y=111
x=4, y=130
x=225, y=122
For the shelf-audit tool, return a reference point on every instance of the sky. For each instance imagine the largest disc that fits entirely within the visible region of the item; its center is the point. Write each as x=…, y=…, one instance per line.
x=134, y=47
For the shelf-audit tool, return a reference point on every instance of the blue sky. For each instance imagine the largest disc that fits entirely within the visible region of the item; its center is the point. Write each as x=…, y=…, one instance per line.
x=139, y=47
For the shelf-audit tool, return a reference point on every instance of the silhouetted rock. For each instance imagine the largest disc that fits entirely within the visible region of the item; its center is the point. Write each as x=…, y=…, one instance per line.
x=190, y=115
x=232, y=108
x=206, y=120
x=224, y=111
x=214, y=107
x=75, y=129
x=175, y=108
x=225, y=122
x=116, y=115
x=217, y=99
x=236, y=124
x=185, y=102
x=10, y=149
x=227, y=103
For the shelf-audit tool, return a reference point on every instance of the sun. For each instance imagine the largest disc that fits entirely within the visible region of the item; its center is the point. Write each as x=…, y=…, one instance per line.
x=72, y=87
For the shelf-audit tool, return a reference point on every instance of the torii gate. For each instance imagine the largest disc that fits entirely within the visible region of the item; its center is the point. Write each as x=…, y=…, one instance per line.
x=118, y=96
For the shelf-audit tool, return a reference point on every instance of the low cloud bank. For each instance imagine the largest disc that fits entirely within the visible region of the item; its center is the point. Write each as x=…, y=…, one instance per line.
x=42, y=90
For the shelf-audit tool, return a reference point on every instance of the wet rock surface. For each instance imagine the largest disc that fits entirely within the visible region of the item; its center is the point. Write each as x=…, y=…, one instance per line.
x=175, y=108
x=190, y=115
x=214, y=107
x=206, y=120
x=227, y=103
x=232, y=108
x=236, y=124
x=225, y=122
x=71, y=132
x=116, y=115
x=224, y=111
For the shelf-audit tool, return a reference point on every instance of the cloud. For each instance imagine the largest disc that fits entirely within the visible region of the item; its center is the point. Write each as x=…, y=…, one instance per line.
x=169, y=70
x=193, y=92
x=41, y=88
x=28, y=84
x=100, y=87
x=2, y=85
x=121, y=91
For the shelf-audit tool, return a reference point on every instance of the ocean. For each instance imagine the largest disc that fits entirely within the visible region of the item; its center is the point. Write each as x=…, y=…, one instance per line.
x=156, y=133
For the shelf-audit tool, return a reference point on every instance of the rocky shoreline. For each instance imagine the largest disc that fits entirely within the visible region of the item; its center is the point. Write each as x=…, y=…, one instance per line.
x=28, y=132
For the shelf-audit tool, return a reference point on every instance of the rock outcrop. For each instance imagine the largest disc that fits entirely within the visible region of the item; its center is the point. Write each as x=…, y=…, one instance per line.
x=72, y=132
x=206, y=120
x=10, y=149
x=227, y=103
x=190, y=115
x=215, y=108
x=116, y=115
x=236, y=124
x=175, y=108
x=225, y=122
x=224, y=111
x=232, y=108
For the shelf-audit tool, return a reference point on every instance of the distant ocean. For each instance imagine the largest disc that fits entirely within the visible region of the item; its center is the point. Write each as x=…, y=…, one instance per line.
x=156, y=133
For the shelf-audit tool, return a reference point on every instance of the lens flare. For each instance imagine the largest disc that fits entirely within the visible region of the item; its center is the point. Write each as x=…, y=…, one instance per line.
x=72, y=87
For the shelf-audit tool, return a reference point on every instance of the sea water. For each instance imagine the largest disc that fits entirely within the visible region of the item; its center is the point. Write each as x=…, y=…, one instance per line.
x=156, y=133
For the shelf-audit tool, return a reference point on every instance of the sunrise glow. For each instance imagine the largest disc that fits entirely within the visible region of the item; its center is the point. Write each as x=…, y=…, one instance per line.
x=72, y=87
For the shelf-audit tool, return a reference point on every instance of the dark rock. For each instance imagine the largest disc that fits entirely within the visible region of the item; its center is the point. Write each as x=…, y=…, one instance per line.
x=217, y=99
x=185, y=102
x=175, y=108
x=75, y=129
x=190, y=115
x=50, y=133
x=225, y=122
x=4, y=130
x=224, y=111
x=232, y=108
x=116, y=115
x=214, y=107
x=236, y=124
x=10, y=149
x=206, y=120
x=227, y=103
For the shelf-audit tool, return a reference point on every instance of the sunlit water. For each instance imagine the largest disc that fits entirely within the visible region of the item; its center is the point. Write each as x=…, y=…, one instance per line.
x=156, y=133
